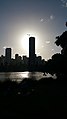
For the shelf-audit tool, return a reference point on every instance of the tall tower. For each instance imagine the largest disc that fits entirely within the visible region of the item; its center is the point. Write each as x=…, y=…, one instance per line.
x=8, y=55
x=32, y=51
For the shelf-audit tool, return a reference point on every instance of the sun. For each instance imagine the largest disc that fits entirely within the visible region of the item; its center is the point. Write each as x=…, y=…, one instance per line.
x=25, y=43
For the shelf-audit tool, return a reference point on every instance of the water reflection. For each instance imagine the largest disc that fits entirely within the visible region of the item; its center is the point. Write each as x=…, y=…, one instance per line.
x=35, y=75
x=4, y=76
x=19, y=76
x=23, y=75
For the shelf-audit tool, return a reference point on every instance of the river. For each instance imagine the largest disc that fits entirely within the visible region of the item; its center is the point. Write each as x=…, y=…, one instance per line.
x=19, y=76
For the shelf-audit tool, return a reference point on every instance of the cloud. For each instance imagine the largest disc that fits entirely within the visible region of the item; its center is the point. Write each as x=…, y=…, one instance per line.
x=51, y=17
x=47, y=42
x=64, y=3
x=52, y=49
x=41, y=19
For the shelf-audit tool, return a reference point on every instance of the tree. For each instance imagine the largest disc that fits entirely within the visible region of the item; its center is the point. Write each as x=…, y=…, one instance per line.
x=58, y=64
x=62, y=41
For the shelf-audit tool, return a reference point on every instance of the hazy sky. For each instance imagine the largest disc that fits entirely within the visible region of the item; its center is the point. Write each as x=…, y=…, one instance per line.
x=43, y=19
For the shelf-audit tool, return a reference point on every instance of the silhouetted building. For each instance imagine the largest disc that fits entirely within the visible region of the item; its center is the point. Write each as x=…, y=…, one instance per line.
x=39, y=60
x=25, y=60
x=8, y=53
x=16, y=56
x=31, y=51
x=17, y=59
x=2, y=60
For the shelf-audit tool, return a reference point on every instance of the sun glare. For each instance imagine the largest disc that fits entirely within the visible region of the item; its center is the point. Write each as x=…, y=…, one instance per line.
x=25, y=43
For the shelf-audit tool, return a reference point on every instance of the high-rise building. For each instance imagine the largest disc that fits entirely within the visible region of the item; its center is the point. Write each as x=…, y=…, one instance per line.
x=31, y=50
x=8, y=55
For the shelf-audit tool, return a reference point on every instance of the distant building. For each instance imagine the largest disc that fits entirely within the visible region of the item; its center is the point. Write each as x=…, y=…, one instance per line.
x=25, y=60
x=16, y=56
x=32, y=50
x=2, y=60
x=38, y=60
x=8, y=52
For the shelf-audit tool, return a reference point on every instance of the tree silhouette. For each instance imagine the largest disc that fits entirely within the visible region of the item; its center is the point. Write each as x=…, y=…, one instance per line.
x=66, y=24
x=58, y=63
x=62, y=41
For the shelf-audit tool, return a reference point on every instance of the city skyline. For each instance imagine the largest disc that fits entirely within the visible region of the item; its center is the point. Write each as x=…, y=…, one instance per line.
x=43, y=19
x=22, y=63
x=31, y=52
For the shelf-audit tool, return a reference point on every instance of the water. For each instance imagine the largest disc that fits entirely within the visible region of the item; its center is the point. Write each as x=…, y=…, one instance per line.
x=19, y=76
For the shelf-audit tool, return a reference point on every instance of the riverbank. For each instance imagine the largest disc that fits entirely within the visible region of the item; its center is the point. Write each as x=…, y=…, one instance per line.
x=33, y=99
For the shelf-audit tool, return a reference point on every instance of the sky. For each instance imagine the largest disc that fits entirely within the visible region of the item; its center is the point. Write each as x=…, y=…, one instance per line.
x=43, y=19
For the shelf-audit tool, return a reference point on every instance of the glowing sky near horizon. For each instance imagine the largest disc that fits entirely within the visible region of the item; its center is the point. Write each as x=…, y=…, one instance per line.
x=44, y=19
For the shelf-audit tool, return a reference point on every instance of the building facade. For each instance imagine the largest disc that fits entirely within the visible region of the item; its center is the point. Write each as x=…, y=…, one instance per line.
x=8, y=53
x=31, y=51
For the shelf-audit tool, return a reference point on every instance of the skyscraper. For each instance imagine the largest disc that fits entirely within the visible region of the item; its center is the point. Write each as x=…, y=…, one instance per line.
x=31, y=50
x=8, y=55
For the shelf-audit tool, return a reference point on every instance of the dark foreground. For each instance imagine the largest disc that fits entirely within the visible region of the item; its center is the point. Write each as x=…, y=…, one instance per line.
x=33, y=99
